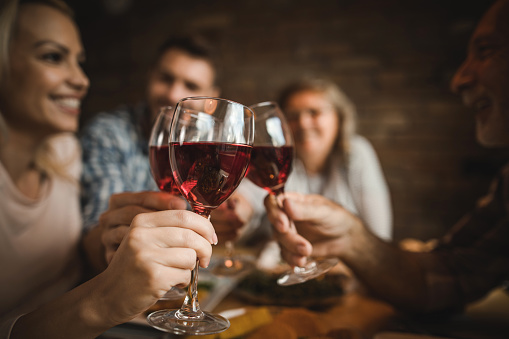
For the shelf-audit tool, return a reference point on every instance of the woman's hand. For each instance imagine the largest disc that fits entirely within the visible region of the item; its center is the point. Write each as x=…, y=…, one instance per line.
x=123, y=207
x=158, y=251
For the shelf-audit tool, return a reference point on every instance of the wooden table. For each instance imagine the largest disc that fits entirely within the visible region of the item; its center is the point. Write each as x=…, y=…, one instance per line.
x=354, y=315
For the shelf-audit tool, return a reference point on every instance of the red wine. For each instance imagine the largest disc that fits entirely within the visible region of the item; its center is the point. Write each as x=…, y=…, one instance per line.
x=161, y=171
x=270, y=166
x=208, y=172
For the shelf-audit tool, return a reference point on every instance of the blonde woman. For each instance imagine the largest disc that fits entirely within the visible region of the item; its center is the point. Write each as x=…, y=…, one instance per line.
x=40, y=223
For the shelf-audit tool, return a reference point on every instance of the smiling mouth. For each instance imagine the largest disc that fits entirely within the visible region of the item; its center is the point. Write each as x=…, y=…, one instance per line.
x=482, y=105
x=69, y=104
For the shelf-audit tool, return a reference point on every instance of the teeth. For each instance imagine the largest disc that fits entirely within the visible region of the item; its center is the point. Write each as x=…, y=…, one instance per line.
x=69, y=102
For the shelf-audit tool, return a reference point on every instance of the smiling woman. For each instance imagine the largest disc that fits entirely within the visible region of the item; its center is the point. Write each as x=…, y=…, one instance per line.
x=42, y=244
x=41, y=87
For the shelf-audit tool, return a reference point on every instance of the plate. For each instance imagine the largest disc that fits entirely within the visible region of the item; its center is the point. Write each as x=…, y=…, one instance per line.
x=260, y=287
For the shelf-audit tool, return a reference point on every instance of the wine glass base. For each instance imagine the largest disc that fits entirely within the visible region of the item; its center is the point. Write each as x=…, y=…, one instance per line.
x=233, y=267
x=312, y=270
x=174, y=294
x=171, y=321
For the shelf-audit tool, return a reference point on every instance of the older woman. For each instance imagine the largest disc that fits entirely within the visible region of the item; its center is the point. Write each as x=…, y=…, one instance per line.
x=41, y=88
x=331, y=159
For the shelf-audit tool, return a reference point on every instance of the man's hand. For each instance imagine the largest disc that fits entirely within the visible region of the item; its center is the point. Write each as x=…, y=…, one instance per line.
x=230, y=216
x=309, y=224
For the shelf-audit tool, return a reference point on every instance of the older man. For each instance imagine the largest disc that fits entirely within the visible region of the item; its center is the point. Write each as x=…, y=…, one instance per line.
x=473, y=257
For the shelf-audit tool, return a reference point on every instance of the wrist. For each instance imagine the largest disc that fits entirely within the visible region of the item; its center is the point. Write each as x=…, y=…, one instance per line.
x=94, y=311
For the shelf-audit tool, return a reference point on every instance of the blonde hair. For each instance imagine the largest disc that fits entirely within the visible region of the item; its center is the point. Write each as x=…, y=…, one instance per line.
x=343, y=106
x=46, y=158
x=7, y=18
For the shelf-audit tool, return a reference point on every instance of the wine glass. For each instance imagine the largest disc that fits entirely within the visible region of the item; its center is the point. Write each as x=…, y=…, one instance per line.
x=210, y=146
x=232, y=264
x=271, y=163
x=161, y=172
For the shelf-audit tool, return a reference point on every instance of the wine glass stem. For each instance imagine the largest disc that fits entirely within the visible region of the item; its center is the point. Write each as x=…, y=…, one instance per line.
x=191, y=308
x=229, y=250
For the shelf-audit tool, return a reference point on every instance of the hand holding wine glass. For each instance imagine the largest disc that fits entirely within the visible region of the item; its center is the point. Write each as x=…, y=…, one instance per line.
x=271, y=163
x=210, y=146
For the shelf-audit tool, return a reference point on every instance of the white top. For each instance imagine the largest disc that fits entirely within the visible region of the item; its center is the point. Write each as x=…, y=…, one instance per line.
x=39, y=258
x=359, y=186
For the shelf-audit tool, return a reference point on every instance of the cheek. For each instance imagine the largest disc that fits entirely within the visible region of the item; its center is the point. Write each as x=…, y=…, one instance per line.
x=329, y=128
x=495, y=77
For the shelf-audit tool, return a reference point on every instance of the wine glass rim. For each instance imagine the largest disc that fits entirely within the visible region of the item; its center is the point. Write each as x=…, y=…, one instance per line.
x=265, y=104
x=166, y=109
x=212, y=98
x=215, y=98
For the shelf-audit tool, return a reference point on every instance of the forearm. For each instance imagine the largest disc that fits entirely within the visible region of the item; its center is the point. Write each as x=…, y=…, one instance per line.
x=388, y=272
x=80, y=313
x=94, y=250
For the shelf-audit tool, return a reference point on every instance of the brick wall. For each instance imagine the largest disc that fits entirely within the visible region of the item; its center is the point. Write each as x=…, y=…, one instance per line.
x=394, y=58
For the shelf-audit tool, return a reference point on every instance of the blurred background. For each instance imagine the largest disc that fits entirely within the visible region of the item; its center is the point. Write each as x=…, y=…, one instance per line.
x=394, y=58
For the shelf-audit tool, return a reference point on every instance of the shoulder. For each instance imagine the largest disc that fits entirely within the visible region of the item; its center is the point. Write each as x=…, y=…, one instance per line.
x=109, y=128
x=66, y=149
x=117, y=120
x=361, y=149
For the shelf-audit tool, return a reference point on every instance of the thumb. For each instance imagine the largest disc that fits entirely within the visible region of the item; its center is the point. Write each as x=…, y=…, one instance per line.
x=300, y=207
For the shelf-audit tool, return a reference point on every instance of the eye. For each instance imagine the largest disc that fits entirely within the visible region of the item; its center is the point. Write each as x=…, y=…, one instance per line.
x=315, y=113
x=485, y=50
x=192, y=86
x=166, y=78
x=52, y=57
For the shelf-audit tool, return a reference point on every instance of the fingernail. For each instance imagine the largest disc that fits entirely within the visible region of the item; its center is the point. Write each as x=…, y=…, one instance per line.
x=214, y=239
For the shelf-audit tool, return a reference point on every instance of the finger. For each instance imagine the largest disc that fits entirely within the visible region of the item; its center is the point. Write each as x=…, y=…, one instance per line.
x=152, y=200
x=170, y=237
x=177, y=218
x=295, y=243
x=176, y=257
x=121, y=216
x=114, y=236
x=301, y=207
x=276, y=216
x=293, y=259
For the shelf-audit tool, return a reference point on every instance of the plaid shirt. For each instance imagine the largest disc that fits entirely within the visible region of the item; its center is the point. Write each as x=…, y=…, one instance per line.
x=115, y=159
x=473, y=257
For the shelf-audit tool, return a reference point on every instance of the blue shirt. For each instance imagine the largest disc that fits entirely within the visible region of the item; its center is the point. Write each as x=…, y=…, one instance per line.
x=115, y=159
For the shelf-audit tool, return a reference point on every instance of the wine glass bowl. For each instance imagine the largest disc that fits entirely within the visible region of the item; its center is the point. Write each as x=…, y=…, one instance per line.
x=160, y=169
x=271, y=164
x=210, y=146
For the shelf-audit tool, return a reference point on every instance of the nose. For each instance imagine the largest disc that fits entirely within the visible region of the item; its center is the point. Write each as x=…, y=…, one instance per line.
x=175, y=92
x=304, y=120
x=463, y=78
x=79, y=79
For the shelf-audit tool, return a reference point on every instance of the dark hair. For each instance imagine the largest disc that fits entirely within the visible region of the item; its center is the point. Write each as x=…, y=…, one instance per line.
x=195, y=45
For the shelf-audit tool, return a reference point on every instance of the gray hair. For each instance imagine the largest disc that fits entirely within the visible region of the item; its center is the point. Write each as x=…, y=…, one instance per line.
x=343, y=106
